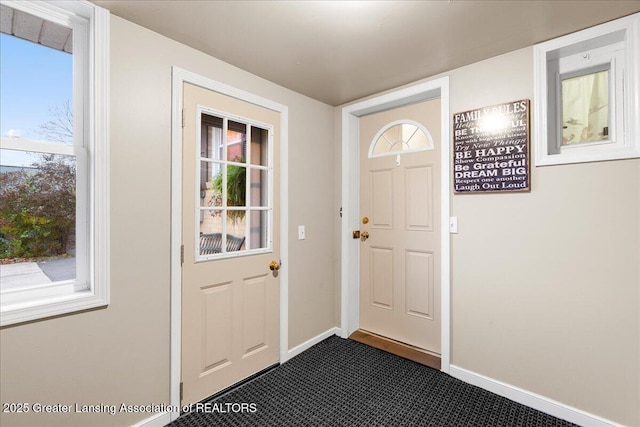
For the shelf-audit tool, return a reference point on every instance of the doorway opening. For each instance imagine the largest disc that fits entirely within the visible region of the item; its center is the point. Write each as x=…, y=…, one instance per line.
x=350, y=274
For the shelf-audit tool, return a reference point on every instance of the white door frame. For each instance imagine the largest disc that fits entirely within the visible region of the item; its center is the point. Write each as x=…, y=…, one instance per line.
x=350, y=274
x=180, y=76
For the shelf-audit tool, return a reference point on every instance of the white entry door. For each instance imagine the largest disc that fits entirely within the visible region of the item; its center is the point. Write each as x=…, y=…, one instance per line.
x=400, y=224
x=230, y=229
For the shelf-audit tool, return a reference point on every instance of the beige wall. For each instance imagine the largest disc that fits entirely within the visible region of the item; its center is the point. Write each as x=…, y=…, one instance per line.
x=545, y=285
x=121, y=354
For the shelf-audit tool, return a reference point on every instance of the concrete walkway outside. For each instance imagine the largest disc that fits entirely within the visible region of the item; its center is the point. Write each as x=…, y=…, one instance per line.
x=27, y=274
x=20, y=275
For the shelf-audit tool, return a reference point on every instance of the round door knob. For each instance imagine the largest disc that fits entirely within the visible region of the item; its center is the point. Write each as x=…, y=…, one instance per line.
x=364, y=236
x=274, y=265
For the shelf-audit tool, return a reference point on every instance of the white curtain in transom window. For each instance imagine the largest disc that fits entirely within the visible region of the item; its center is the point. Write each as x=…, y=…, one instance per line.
x=585, y=108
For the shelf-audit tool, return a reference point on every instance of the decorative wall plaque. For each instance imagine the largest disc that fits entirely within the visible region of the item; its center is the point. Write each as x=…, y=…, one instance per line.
x=491, y=148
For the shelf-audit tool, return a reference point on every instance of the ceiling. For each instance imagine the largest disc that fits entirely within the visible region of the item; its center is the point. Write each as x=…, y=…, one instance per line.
x=339, y=51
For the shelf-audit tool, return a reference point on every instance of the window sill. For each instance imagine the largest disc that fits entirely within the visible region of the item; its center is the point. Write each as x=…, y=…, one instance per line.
x=35, y=309
x=587, y=155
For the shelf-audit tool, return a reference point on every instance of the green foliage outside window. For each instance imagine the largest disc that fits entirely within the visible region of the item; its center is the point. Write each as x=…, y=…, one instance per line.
x=38, y=209
x=236, y=188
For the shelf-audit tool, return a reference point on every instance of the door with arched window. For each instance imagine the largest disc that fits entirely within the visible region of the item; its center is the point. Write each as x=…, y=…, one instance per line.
x=400, y=224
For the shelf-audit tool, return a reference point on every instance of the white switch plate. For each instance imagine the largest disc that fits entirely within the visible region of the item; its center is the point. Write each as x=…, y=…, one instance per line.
x=301, y=232
x=453, y=224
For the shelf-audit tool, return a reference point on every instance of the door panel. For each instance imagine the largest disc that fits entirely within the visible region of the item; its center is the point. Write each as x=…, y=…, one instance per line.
x=418, y=195
x=382, y=198
x=216, y=304
x=230, y=298
x=382, y=277
x=255, y=315
x=400, y=261
x=419, y=284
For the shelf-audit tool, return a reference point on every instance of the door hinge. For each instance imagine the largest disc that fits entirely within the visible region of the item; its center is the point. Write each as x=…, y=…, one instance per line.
x=183, y=117
x=181, y=254
x=181, y=391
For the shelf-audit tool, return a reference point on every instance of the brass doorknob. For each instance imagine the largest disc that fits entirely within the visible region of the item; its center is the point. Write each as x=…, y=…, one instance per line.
x=364, y=235
x=274, y=265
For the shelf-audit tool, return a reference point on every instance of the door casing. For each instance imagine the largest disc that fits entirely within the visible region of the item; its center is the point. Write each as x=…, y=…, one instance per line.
x=180, y=76
x=350, y=248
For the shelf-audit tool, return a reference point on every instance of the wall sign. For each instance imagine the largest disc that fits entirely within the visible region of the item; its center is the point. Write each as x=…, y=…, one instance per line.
x=491, y=149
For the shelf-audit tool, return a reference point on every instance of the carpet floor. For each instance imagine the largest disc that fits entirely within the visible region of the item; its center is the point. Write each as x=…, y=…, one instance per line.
x=341, y=382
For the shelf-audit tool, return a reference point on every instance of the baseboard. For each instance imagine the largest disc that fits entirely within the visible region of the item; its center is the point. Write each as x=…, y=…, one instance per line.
x=310, y=343
x=157, y=420
x=533, y=400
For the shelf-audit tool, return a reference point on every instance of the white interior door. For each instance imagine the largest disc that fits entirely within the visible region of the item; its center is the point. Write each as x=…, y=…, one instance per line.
x=230, y=229
x=400, y=214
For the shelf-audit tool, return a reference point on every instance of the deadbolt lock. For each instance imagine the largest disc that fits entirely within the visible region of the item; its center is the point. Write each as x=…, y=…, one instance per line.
x=365, y=220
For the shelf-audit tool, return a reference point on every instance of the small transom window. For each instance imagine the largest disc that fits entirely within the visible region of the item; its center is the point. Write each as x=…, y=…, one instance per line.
x=586, y=84
x=403, y=136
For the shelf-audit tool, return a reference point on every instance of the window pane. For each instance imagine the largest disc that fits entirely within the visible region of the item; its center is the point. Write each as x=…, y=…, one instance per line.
x=415, y=137
x=400, y=137
x=211, y=221
x=259, y=190
x=259, y=229
x=236, y=185
x=210, y=184
x=236, y=230
x=37, y=220
x=236, y=142
x=392, y=139
x=585, y=108
x=36, y=85
x=211, y=138
x=211, y=231
x=259, y=146
x=37, y=191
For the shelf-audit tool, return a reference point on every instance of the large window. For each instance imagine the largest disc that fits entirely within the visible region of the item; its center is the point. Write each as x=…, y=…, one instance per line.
x=587, y=87
x=53, y=198
x=235, y=177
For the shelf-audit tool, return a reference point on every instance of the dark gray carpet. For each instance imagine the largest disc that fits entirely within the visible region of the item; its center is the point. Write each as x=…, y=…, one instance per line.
x=344, y=383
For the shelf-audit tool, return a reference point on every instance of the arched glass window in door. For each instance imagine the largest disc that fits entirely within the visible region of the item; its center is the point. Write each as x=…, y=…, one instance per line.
x=400, y=137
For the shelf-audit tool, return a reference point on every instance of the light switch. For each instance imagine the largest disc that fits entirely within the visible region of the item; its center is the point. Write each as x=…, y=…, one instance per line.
x=301, y=232
x=453, y=224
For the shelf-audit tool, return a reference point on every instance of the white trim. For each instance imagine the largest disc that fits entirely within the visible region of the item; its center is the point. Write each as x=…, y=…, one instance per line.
x=533, y=400
x=179, y=77
x=158, y=420
x=625, y=132
x=350, y=276
x=310, y=343
x=95, y=92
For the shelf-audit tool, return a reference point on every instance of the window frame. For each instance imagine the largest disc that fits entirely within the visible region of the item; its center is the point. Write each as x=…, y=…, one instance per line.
x=90, y=25
x=200, y=211
x=420, y=127
x=614, y=45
